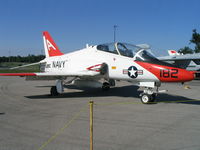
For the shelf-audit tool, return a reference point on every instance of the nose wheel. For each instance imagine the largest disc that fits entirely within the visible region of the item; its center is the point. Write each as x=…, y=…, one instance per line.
x=147, y=98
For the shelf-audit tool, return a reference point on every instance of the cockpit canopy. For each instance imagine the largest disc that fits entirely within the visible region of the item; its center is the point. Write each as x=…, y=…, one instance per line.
x=140, y=52
x=123, y=49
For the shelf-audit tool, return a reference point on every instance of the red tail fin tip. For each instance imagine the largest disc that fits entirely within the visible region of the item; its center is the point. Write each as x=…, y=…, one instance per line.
x=51, y=49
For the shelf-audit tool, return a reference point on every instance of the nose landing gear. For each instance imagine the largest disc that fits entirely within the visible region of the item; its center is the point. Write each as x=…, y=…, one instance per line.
x=149, y=93
x=148, y=96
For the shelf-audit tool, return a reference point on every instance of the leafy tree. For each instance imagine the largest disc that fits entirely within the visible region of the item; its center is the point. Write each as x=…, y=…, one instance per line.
x=27, y=59
x=196, y=40
x=186, y=50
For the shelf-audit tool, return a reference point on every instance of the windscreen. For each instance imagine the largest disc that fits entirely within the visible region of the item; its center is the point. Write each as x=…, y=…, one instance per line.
x=126, y=49
x=146, y=56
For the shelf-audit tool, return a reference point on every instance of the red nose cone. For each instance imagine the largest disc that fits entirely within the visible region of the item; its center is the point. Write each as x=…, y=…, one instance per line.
x=186, y=75
x=168, y=73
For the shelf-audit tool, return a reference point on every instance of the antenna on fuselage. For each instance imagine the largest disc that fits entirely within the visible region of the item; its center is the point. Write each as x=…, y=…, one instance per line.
x=115, y=27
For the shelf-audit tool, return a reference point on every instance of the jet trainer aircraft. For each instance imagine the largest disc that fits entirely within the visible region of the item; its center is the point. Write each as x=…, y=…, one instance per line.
x=110, y=62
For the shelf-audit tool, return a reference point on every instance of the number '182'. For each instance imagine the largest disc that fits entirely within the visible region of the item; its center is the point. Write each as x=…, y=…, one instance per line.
x=169, y=73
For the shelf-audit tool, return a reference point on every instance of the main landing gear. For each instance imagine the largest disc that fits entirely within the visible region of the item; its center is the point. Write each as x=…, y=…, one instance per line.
x=106, y=85
x=54, y=91
x=58, y=89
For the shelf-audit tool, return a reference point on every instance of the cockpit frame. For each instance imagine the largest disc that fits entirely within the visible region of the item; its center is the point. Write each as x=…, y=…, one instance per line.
x=136, y=52
x=122, y=49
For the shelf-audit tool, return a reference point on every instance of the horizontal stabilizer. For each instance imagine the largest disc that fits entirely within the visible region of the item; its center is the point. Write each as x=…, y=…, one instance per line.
x=173, y=53
x=23, y=66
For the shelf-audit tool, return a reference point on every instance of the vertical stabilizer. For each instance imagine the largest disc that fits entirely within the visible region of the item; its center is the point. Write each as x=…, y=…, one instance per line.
x=51, y=49
x=173, y=53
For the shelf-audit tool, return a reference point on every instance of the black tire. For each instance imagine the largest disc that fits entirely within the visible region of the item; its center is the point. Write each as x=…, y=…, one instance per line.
x=54, y=91
x=153, y=97
x=112, y=82
x=146, y=98
x=105, y=86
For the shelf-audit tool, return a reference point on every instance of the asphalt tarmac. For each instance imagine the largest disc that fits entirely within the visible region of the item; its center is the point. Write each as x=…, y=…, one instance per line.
x=30, y=119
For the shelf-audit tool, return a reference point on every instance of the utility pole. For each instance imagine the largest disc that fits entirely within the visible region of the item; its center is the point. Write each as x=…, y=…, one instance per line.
x=9, y=53
x=115, y=26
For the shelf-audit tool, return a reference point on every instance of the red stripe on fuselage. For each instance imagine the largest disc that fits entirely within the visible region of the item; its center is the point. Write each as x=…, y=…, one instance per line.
x=95, y=68
x=17, y=74
x=167, y=73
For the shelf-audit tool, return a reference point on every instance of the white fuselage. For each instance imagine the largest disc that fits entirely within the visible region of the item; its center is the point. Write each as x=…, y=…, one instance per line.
x=77, y=63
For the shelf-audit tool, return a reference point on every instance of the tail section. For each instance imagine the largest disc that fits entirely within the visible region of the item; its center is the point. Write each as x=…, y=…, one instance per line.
x=173, y=53
x=51, y=49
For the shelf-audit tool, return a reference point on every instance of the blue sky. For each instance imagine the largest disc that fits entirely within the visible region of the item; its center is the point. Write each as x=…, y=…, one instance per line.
x=164, y=24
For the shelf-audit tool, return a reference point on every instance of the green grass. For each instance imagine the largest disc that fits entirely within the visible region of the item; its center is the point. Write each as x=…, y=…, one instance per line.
x=4, y=67
x=17, y=71
x=11, y=64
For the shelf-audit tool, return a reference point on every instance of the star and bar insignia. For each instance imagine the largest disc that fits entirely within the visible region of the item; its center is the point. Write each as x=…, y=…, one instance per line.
x=132, y=72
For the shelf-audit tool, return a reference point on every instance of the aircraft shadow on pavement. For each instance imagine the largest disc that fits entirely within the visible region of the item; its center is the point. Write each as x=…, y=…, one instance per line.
x=125, y=91
x=2, y=113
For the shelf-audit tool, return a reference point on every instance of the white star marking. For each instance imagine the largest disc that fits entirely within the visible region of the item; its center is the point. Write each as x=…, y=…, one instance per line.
x=132, y=72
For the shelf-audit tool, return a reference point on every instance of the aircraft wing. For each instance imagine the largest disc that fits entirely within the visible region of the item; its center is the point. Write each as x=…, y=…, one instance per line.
x=47, y=74
x=182, y=61
x=54, y=76
x=181, y=57
x=91, y=72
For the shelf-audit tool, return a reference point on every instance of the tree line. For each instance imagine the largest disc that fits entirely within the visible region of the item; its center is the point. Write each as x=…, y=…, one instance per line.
x=194, y=40
x=29, y=58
